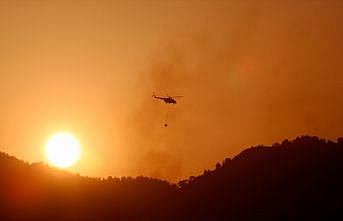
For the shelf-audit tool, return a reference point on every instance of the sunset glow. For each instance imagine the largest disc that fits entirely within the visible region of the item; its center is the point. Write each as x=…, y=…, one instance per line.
x=250, y=72
x=62, y=150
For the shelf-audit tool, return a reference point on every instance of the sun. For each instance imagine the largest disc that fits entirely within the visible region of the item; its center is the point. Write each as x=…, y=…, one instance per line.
x=62, y=150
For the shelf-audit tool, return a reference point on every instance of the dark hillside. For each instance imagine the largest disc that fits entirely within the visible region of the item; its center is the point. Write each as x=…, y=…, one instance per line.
x=299, y=179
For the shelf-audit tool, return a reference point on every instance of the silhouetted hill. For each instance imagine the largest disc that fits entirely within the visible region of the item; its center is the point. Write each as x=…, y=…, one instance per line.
x=299, y=179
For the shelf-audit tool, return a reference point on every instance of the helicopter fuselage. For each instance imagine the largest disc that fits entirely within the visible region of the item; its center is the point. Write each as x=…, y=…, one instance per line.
x=167, y=100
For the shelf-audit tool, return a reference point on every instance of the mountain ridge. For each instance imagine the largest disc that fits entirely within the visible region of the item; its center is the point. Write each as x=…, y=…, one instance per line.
x=299, y=179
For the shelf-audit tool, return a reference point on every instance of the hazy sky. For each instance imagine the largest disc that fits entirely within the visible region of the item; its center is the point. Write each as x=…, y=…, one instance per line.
x=251, y=72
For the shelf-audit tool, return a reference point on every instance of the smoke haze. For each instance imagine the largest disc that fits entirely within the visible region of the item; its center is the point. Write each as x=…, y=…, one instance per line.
x=251, y=72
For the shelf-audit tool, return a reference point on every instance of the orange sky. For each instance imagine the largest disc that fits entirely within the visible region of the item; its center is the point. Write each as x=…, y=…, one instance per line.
x=252, y=72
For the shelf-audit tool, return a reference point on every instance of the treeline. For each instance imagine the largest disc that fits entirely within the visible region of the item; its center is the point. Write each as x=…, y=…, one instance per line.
x=299, y=179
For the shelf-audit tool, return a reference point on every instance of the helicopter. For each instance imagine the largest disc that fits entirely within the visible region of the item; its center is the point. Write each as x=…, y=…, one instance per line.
x=167, y=99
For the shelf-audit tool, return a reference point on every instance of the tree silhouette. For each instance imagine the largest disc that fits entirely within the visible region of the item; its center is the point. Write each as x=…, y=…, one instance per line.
x=299, y=179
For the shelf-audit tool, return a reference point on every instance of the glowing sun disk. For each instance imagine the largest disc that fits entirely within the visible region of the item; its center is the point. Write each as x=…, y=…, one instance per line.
x=62, y=150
